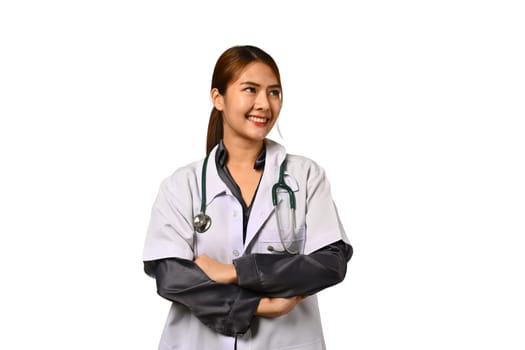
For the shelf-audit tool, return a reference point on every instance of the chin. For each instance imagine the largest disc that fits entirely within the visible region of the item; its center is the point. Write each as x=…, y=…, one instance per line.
x=259, y=137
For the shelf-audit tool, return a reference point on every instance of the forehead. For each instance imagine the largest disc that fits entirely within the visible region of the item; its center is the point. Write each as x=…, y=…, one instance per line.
x=257, y=72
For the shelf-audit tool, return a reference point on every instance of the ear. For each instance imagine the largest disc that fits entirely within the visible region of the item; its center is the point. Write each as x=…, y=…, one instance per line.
x=217, y=99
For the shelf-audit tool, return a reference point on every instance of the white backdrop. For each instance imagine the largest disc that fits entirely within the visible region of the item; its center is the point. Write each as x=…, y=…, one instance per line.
x=414, y=108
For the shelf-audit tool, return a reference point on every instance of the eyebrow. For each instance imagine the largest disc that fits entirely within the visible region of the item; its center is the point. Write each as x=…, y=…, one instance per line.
x=258, y=85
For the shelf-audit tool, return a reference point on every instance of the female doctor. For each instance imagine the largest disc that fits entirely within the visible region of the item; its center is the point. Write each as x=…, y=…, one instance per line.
x=242, y=240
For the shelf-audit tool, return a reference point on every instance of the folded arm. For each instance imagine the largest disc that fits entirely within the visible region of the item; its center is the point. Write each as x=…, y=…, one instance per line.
x=283, y=275
x=286, y=275
x=225, y=308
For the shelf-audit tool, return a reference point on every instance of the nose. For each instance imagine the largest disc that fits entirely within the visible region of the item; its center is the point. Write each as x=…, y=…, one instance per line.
x=261, y=101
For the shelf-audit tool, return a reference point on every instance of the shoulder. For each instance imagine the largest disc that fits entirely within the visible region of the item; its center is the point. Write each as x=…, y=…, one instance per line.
x=303, y=164
x=183, y=175
x=293, y=161
x=298, y=166
x=305, y=171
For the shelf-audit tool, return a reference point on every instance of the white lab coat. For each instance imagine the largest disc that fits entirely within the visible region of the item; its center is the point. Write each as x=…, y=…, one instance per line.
x=171, y=234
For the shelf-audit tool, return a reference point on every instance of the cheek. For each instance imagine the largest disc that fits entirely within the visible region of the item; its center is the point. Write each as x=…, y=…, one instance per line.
x=238, y=104
x=276, y=107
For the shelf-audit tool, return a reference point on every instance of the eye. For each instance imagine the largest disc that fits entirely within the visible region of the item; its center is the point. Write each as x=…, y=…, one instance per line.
x=250, y=89
x=275, y=92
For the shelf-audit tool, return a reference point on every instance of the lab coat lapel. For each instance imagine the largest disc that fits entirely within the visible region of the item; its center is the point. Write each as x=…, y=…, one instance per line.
x=214, y=184
x=262, y=206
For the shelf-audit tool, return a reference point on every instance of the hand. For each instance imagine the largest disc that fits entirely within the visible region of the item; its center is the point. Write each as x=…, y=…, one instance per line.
x=275, y=307
x=216, y=271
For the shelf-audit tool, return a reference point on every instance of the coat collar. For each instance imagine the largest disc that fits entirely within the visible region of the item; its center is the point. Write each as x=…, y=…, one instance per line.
x=221, y=155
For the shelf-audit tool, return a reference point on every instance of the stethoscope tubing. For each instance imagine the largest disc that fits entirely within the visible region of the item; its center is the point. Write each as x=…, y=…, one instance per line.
x=202, y=222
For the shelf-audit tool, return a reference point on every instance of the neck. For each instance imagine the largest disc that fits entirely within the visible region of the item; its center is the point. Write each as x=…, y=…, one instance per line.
x=242, y=153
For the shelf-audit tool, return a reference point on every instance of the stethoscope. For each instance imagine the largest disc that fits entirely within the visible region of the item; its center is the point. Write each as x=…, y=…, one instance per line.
x=202, y=221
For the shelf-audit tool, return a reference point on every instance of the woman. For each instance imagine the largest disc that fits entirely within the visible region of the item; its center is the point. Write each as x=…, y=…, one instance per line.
x=242, y=272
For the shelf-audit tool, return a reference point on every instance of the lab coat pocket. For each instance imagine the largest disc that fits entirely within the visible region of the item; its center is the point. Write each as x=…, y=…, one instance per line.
x=269, y=242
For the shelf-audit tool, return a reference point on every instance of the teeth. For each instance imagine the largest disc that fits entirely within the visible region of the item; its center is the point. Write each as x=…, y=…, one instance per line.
x=257, y=119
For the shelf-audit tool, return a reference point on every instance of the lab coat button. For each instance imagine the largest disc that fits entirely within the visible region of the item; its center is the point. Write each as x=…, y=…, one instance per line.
x=235, y=252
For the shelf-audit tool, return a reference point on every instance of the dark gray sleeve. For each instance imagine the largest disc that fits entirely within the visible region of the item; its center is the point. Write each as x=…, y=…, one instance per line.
x=225, y=308
x=285, y=275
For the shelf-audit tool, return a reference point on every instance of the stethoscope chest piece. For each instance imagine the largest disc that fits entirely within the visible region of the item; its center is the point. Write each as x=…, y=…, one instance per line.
x=201, y=222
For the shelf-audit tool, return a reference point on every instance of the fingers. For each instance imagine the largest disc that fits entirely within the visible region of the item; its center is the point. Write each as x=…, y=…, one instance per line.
x=275, y=307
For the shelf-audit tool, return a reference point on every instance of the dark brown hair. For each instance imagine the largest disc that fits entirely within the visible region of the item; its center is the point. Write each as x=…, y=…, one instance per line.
x=227, y=69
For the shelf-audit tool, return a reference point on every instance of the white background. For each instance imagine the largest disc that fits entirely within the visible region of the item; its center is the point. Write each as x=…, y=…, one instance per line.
x=414, y=108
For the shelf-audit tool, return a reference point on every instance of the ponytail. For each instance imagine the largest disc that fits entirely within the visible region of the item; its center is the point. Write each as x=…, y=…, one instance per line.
x=215, y=129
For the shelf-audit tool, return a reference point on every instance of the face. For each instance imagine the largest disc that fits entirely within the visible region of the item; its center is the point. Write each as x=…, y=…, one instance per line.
x=251, y=104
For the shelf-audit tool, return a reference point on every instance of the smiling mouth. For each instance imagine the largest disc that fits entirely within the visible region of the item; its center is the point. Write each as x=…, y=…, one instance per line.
x=258, y=120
